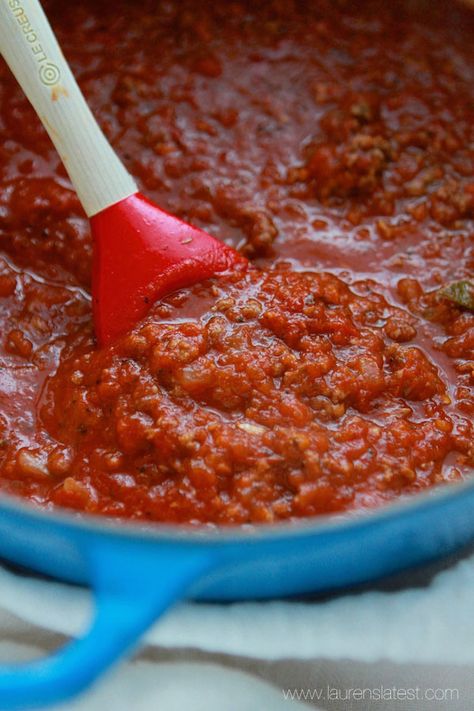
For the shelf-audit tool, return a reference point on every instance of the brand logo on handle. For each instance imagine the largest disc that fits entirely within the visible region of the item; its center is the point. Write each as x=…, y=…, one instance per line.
x=48, y=71
x=49, y=74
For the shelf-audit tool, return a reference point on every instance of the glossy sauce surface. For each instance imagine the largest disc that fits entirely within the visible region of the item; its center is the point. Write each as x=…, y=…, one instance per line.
x=333, y=146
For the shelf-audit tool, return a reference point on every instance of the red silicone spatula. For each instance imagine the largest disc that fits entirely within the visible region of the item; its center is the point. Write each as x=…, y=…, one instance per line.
x=141, y=253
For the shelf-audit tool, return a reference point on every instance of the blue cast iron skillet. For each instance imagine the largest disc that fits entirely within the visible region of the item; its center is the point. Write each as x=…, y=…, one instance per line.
x=137, y=572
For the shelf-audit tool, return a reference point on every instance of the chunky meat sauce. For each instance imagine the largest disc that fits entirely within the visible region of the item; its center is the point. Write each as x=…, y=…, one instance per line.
x=332, y=143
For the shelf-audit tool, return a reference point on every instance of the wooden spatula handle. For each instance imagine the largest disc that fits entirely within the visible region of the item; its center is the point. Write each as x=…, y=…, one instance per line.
x=31, y=50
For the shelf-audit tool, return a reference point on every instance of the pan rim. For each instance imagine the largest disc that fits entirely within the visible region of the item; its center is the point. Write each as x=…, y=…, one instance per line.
x=233, y=534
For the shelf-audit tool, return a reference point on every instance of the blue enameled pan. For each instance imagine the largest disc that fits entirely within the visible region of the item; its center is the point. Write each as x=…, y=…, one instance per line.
x=136, y=573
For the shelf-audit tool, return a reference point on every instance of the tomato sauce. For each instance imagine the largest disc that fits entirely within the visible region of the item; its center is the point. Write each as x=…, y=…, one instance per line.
x=332, y=144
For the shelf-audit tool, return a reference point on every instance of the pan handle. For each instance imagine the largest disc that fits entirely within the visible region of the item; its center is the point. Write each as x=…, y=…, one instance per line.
x=133, y=585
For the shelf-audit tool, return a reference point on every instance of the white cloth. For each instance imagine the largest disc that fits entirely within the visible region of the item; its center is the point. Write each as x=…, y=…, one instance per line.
x=246, y=656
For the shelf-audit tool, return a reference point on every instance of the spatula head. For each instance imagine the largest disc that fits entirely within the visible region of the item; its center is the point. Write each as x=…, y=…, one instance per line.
x=142, y=254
